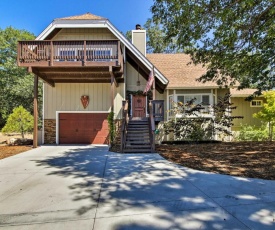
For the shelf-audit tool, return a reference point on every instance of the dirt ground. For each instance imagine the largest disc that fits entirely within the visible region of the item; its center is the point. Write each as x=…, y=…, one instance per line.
x=246, y=159
x=7, y=151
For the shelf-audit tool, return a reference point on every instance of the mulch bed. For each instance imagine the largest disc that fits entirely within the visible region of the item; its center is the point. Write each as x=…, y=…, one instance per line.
x=7, y=151
x=246, y=159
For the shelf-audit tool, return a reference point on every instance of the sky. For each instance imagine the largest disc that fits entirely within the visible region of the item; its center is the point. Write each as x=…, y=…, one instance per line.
x=35, y=15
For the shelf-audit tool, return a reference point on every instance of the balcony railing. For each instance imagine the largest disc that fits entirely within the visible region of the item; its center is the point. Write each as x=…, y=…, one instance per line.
x=31, y=53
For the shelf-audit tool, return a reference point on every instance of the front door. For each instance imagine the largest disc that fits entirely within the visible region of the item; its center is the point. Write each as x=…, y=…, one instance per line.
x=139, y=106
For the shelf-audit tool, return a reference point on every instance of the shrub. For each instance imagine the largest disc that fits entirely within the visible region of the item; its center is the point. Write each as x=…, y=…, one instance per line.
x=19, y=121
x=111, y=127
x=253, y=133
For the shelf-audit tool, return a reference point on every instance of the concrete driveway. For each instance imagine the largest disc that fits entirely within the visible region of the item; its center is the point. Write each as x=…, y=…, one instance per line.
x=87, y=187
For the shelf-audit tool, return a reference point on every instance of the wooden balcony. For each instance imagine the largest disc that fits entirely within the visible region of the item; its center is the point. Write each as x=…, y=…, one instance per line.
x=68, y=53
x=72, y=61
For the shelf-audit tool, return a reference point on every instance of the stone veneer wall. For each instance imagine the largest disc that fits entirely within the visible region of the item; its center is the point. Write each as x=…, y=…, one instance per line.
x=49, y=131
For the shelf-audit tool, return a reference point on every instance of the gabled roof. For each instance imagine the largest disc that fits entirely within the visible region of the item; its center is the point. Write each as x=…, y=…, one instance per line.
x=87, y=16
x=179, y=71
x=92, y=21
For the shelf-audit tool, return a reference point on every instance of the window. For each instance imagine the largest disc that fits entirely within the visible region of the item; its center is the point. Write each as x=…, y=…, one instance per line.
x=256, y=103
x=203, y=99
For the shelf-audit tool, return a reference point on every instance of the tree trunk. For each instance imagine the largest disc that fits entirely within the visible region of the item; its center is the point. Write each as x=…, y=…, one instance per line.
x=270, y=131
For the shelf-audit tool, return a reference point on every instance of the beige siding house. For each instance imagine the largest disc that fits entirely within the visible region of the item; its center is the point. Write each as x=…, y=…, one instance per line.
x=90, y=69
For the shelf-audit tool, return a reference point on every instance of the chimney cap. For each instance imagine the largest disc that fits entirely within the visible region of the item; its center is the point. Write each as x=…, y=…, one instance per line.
x=138, y=27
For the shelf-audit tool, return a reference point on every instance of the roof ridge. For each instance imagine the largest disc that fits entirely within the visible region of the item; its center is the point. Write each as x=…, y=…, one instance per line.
x=86, y=16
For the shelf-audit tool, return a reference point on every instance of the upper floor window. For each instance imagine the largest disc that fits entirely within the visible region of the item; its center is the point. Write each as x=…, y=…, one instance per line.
x=256, y=103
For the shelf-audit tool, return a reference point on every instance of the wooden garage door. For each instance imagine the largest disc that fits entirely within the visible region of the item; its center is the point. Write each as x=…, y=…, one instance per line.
x=83, y=128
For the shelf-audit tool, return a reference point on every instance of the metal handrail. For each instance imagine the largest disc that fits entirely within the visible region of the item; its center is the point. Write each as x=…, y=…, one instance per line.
x=152, y=127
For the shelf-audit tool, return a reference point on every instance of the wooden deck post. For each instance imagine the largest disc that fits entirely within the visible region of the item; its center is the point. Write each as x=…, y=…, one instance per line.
x=113, y=84
x=35, y=112
x=154, y=84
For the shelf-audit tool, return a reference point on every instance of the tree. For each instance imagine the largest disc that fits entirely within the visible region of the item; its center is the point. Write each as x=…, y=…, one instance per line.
x=16, y=84
x=267, y=113
x=233, y=39
x=156, y=42
x=19, y=121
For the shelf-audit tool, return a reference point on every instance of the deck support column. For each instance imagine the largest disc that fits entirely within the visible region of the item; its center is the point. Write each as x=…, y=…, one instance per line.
x=113, y=84
x=35, y=112
x=154, y=84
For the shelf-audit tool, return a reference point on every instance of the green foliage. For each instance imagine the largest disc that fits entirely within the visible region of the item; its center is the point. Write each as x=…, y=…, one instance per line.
x=193, y=129
x=252, y=133
x=16, y=84
x=189, y=123
x=267, y=113
x=234, y=40
x=19, y=121
x=156, y=41
x=111, y=125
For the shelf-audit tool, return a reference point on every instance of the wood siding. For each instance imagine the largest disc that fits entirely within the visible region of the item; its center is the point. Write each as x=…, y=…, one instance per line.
x=66, y=97
x=132, y=77
x=84, y=34
x=244, y=109
x=119, y=97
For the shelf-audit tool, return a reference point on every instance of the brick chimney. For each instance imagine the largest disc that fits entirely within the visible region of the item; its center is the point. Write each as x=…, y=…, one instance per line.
x=139, y=39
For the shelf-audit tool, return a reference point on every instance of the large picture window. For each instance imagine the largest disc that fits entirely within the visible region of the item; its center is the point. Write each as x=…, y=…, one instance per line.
x=200, y=99
x=203, y=99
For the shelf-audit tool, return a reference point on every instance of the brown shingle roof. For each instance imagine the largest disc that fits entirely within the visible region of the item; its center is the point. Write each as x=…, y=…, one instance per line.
x=241, y=93
x=87, y=16
x=176, y=68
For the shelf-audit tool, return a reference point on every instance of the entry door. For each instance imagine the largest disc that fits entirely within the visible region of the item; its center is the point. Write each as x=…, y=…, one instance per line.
x=139, y=106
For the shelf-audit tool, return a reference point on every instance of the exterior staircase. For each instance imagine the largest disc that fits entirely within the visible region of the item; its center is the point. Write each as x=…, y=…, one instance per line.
x=138, y=136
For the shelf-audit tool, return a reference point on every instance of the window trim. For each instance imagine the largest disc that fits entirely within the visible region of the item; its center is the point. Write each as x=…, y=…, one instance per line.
x=261, y=103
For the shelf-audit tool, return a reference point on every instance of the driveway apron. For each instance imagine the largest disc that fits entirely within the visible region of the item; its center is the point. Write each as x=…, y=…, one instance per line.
x=88, y=187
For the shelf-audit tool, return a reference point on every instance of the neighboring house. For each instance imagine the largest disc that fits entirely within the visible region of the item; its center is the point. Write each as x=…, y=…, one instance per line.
x=89, y=69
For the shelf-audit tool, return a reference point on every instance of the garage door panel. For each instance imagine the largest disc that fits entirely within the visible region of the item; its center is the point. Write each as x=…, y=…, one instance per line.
x=83, y=128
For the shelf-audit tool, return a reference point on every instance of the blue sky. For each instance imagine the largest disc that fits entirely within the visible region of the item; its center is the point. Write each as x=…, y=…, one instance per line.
x=36, y=15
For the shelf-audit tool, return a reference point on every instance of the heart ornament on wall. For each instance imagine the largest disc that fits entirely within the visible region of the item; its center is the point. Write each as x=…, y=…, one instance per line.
x=85, y=101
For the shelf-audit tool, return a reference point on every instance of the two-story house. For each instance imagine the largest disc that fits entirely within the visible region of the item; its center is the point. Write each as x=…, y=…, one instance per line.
x=89, y=68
